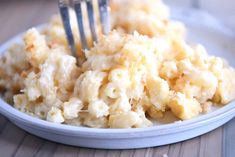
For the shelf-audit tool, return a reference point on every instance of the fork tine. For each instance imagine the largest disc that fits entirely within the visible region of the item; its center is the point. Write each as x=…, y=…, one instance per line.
x=78, y=11
x=104, y=16
x=64, y=11
x=91, y=18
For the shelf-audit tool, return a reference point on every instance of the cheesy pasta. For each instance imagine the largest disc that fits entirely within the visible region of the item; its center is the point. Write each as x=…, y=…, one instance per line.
x=134, y=75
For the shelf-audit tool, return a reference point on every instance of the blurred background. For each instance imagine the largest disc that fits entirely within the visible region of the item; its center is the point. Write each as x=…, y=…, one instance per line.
x=224, y=10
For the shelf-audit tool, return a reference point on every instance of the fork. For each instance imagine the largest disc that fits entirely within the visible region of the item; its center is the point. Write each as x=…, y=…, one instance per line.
x=64, y=6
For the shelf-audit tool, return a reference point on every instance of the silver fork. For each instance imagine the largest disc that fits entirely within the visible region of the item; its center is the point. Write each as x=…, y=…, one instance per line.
x=76, y=4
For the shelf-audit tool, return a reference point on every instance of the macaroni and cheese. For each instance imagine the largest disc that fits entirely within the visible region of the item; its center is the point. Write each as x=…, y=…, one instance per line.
x=138, y=72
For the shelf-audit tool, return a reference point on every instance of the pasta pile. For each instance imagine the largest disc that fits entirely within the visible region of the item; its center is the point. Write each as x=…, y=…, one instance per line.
x=142, y=69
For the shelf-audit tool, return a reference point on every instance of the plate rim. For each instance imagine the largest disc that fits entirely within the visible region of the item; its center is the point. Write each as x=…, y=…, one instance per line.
x=16, y=115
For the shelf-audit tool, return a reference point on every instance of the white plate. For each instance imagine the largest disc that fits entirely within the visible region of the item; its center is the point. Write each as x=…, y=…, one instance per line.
x=201, y=27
